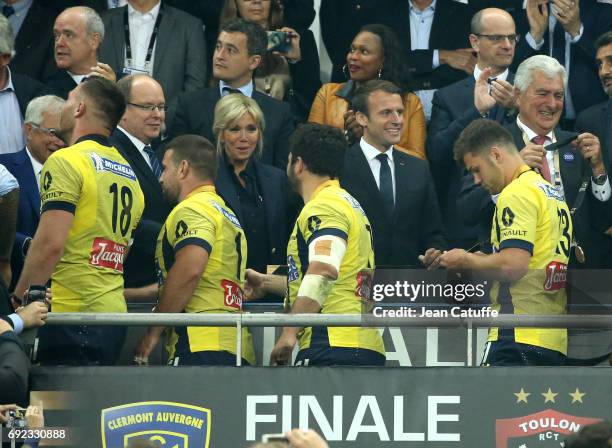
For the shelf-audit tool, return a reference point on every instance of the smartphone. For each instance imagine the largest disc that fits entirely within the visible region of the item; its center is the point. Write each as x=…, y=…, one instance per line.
x=265, y=438
x=279, y=41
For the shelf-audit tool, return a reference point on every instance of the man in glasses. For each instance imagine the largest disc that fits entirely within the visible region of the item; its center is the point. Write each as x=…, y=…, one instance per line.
x=41, y=120
x=489, y=93
x=134, y=138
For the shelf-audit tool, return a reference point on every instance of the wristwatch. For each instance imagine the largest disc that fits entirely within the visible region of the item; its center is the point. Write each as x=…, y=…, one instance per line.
x=600, y=180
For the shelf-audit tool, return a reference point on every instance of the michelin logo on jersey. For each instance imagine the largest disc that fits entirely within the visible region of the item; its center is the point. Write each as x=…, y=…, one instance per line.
x=171, y=424
x=103, y=164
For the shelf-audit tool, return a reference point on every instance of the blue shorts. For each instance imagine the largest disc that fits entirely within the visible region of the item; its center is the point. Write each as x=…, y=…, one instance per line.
x=81, y=345
x=507, y=352
x=339, y=356
x=205, y=358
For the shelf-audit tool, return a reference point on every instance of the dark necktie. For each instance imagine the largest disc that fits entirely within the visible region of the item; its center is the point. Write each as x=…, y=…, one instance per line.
x=558, y=44
x=228, y=90
x=545, y=171
x=8, y=11
x=155, y=166
x=386, y=184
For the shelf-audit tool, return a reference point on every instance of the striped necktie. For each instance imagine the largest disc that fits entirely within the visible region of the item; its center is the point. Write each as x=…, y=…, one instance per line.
x=155, y=166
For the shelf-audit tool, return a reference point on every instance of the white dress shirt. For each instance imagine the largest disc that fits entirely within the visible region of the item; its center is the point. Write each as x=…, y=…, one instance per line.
x=21, y=8
x=570, y=112
x=7, y=182
x=141, y=29
x=601, y=192
x=247, y=89
x=420, y=29
x=140, y=146
x=36, y=166
x=370, y=153
x=77, y=78
x=11, y=124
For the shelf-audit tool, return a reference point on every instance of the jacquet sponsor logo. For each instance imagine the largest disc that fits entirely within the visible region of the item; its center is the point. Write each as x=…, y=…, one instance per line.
x=107, y=254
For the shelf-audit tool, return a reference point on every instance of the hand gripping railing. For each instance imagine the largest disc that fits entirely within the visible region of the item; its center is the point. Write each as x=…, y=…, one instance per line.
x=328, y=320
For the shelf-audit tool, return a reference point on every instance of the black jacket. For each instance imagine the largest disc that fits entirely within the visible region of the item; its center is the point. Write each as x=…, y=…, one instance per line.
x=140, y=263
x=415, y=225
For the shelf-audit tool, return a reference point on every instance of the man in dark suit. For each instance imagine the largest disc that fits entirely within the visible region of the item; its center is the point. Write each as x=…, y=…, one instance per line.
x=140, y=126
x=540, y=84
x=178, y=60
x=33, y=27
x=79, y=32
x=434, y=37
x=572, y=29
x=395, y=189
x=15, y=93
x=489, y=93
x=239, y=50
x=598, y=119
x=41, y=120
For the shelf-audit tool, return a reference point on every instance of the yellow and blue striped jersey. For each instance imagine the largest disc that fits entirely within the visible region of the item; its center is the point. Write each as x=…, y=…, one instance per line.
x=530, y=214
x=95, y=183
x=203, y=219
x=331, y=210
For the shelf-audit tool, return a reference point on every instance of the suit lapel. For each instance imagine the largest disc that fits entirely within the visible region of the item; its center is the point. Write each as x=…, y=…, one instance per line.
x=163, y=40
x=400, y=181
x=363, y=174
x=227, y=190
x=137, y=162
x=119, y=39
x=23, y=165
x=607, y=138
x=270, y=193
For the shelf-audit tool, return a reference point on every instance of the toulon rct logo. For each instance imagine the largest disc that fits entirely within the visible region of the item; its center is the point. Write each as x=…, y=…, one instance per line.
x=173, y=425
x=547, y=428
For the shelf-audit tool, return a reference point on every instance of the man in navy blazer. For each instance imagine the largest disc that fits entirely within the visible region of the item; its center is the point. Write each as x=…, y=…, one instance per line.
x=535, y=127
x=140, y=126
x=394, y=189
x=582, y=23
x=598, y=119
x=239, y=50
x=489, y=93
x=41, y=120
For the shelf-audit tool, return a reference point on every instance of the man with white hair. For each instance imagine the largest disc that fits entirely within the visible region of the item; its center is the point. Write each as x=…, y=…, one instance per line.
x=40, y=124
x=540, y=82
x=15, y=93
x=78, y=34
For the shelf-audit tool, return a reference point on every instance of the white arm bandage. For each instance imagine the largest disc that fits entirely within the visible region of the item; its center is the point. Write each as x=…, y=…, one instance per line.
x=327, y=249
x=315, y=287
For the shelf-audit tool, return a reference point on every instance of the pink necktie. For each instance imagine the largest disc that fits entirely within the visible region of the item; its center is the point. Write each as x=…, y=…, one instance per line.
x=545, y=171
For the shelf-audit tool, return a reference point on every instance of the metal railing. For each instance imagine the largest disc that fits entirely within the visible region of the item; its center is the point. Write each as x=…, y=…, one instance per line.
x=239, y=320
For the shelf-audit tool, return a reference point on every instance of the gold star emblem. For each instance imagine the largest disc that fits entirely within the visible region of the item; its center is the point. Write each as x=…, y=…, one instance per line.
x=521, y=396
x=549, y=396
x=577, y=396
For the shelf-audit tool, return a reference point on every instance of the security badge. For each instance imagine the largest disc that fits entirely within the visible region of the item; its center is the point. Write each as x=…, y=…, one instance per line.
x=129, y=70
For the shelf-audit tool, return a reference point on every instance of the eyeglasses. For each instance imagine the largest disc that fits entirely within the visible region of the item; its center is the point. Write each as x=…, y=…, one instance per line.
x=150, y=107
x=497, y=38
x=49, y=131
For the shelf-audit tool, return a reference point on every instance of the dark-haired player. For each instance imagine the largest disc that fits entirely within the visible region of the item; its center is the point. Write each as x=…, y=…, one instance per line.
x=91, y=203
x=330, y=258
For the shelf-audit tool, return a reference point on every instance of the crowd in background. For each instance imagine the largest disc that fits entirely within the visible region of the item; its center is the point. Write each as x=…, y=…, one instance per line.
x=543, y=70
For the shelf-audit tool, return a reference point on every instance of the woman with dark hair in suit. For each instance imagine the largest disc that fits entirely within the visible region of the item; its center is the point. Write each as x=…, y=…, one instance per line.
x=375, y=53
x=256, y=192
x=290, y=73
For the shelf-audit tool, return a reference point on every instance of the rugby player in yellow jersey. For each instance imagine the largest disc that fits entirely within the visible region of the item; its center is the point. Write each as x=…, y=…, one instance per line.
x=201, y=256
x=91, y=203
x=330, y=258
x=531, y=238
